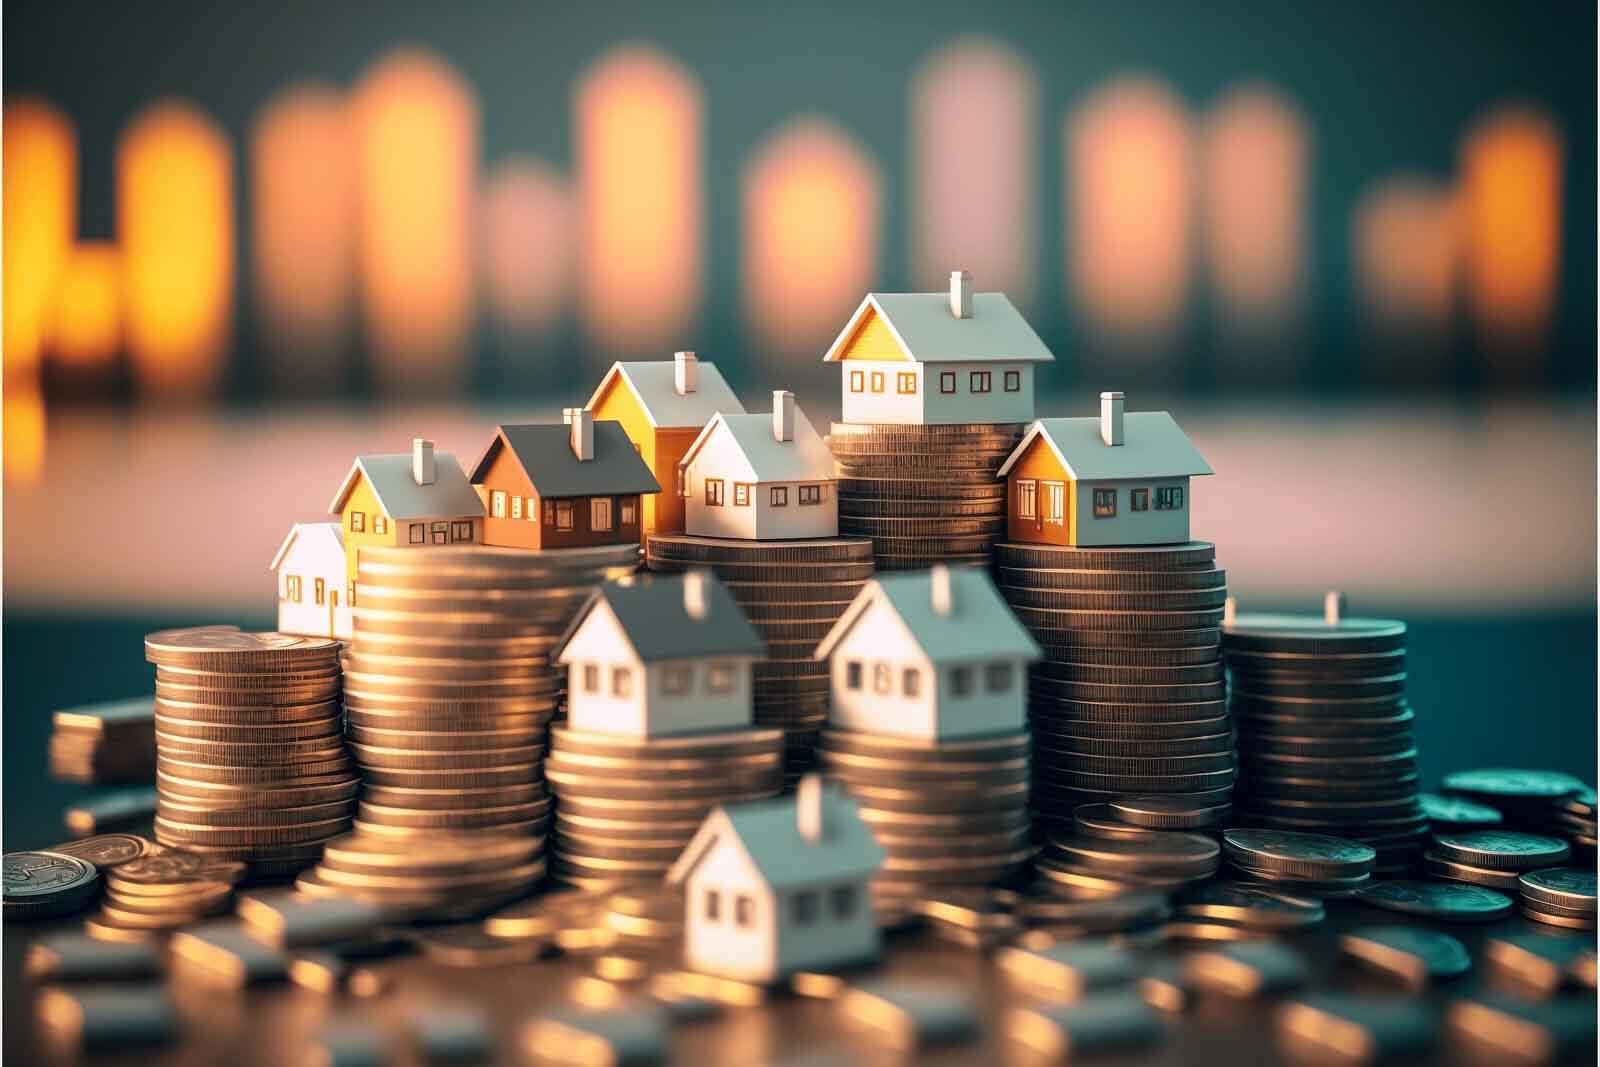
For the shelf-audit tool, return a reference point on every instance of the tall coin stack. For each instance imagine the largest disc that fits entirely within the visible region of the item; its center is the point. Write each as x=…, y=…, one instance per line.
x=250, y=755
x=449, y=693
x=923, y=494
x=792, y=592
x=1129, y=698
x=1326, y=742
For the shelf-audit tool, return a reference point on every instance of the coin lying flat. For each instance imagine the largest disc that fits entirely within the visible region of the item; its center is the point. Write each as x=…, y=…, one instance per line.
x=1342, y=1028
x=39, y=885
x=1249, y=906
x=1508, y=850
x=1414, y=954
x=1312, y=856
x=106, y=851
x=1173, y=812
x=1566, y=887
x=1457, y=813
x=1492, y=784
x=1446, y=902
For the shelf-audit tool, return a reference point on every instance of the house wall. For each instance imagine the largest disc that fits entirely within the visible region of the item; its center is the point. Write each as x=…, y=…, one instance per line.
x=364, y=500
x=1129, y=527
x=722, y=946
x=879, y=636
x=664, y=512
x=599, y=641
x=984, y=710
x=928, y=405
x=699, y=709
x=537, y=529
x=888, y=404
x=1039, y=465
x=310, y=559
x=829, y=940
x=720, y=457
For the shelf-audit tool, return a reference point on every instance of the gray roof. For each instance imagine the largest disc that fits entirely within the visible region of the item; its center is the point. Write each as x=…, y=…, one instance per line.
x=653, y=383
x=1154, y=446
x=655, y=621
x=802, y=458
x=979, y=625
x=770, y=835
x=448, y=496
x=930, y=333
x=544, y=452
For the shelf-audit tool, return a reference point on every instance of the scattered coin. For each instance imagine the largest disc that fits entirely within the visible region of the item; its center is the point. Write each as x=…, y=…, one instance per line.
x=41, y=885
x=1513, y=1029
x=1341, y=1028
x=1414, y=954
x=100, y=1018
x=1507, y=850
x=1566, y=887
x=106, y=851
x=1458, y=813
x=1540, y=963
x=1437, y=900
x=1248, y=969
x=1068, y=970
x=910, y=1014
x=1489, y=785
x=79, y=958
x=1249, y=906
x=1101, y=1022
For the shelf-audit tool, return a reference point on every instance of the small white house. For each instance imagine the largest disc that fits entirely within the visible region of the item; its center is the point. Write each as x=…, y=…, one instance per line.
x=659, y=655
x=777, y=886
x=934, y=655
x=310, y=566
x=928, y=358
x=759, y=477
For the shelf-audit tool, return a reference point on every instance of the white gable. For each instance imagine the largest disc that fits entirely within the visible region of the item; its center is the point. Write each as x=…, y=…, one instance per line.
x=599, y=638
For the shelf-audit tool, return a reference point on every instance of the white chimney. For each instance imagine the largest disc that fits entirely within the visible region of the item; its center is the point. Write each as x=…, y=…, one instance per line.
x=961, y=294
x=696, y=602
x=1230, y=611
x=782, y=415
x=423, y=470
x=1332, y=607
x=808, y=814
x=943, y=597
x=1111, y=418
x=685, y=373
x=581, y=420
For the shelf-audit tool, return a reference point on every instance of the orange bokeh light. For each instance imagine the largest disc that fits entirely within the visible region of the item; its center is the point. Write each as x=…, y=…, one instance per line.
x=175, y=223
x=41, y=216
x=638, y=127
x=1129, y=208
x=1407, y=258
x=418, y=155
x=526, y=222
x=22, y=411
x=85, y=324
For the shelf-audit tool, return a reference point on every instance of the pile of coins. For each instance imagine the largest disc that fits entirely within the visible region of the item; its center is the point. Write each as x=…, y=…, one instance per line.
x=1544, y=802
x=250, y=756
x=1158, y=860
x=626, y=807
x=1325, y=734
x=163, y=891
x=105, y=744
x=947, y=813
x=1495, y=858
x=1129, y=697
x=1563, y=896
x=438, y=874
x=1315, y=865
x=792, y=592
x=923, y=494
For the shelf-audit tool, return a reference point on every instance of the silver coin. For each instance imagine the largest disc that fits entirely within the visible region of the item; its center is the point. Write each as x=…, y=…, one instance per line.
x=1567, y=887
x=1447, y=902
x=1313, y=856
x=1509, y=850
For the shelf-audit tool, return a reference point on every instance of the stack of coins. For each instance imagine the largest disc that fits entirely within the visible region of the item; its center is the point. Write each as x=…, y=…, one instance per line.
x=1325, y=734
x=792, y=592
x=1158, y=860
x=161, y=892
x=1544, y=802
x=948, y=814
x=1494, y=858
x=1560, y=896
x=627, y=806
x=1129, y=697
x=438, y=874
x=250, y=756
x=1314, y=865
x=103, y=744
x=923, y=494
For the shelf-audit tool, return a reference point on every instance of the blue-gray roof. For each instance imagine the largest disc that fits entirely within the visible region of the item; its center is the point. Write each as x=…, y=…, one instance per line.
x=656, y=621
x=979, y=625
x=1154, y=446
x=769, y=833
x=544, y=452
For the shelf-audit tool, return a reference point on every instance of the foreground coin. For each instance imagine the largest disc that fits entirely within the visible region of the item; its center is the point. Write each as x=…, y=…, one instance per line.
x=1505, y=850
x=1565, y=887
x=1414, y=954
x=106, y=851
x=1445, y=901
x=40, y=885
x=1310, y=856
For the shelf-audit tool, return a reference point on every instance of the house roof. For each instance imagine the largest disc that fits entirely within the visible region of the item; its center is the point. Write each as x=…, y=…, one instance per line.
x=449, y=495
x=544, y=452
x=802, y=458
x=653, y=385
x=332, y=530
x=655, y=620
x=929, y=333
x=769, y=834
x=1154, y=446
x=979, y=625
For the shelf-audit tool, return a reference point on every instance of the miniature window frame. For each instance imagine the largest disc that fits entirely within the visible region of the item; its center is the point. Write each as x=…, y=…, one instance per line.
x=1169, y=498
x=564, y=517
x=713, y=909
x=629, y=512
x=744, y=910
x=1055, y=510
x=858, y=381
x=439, y=533
x=380, y=524
x=806, y=905
x=1138, y=500
x=358, y=522
x=497, y=503
x=961, y=681
x=1027, y=499
x=905, y=383
x=1013, y=381
x=882, y=678
x=810, y=495
x=980, y=381
x=1105, y=503
x=714, y=492
x=677, y=679
x=947, y=382
x=291, y=587
x=877, y=381
x=602, y=514
x=350, y=594
x=842, y=901
x=319, y=591
x=418, y=534
x=853, y=674
x=622, y=682
x=516, y=507
x=461, y=531
x=741, y=494
x=591, y=678
x=997, y=677
x=910, y=682
x=778, y=496
x=720, y=677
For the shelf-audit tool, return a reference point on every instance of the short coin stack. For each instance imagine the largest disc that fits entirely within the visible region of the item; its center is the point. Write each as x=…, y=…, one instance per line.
x=948, y=813
x=1561, y=896
x=1129, y=697
x=792, y=592
x=105, y=743
x=1162, y=860
x=923, y=494
x=250, y=756
x=627, y=806
x=163, y=891
x=1495, y=858
x=1326, y=742
x=1315, y=865
x=1544, y=802
x=437, y=874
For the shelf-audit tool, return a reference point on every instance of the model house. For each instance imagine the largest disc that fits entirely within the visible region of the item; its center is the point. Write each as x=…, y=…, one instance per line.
x=777, y=886
x=1121, y=479
x=759, y=477
x=421, y=500
x=924, y=358
x=654, y=656
x=663, y=406
x=933, y=655
x=310, y=567
x=570, y=484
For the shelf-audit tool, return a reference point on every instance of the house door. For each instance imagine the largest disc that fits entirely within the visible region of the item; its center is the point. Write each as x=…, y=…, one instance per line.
x=333, y=610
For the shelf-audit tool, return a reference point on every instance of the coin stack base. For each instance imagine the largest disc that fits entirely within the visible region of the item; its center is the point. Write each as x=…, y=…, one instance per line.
x=923, y=494
x=792, y=592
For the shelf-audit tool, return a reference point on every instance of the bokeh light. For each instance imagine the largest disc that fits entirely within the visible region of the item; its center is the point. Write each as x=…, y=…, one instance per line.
x=41, y=216
x=525, y=218
x=22, y=411
x=84, y=327
x=1406, y=251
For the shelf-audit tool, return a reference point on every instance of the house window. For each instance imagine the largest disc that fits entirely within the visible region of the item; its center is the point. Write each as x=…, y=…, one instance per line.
x=380, y=524
x=563, y=514
x=1013, y=381
x=600, y=513
x=358, y=521
x=1139, y=499
x=997, y=676
x=516, y=507
x=350, y=594
x=1055, y=503
x=852, y=674
x=591, y=678
x=779, y=497
x=744, y=909
x=320, y=591
x=810, y=494
x=842, y=901
x=961, y=681
x=682, y=484
x=441, y=533
x=291, y=585
x=905, y=383
x=1105, y=503
x=947, y=381
x=418, y=534
x=856, y=381
x=741, y=494
x=877, y=381
x=461, y=531
x=713, y=905
x=714, y=492
x=1027, y=499
x=979, y=381
x=805, y=907
x=497, y=503
x=621, y=681
x=630, y=511
x=881, y=677
x=677, y=679
x=719, y=677
x=910, y=682
x=1169, y=498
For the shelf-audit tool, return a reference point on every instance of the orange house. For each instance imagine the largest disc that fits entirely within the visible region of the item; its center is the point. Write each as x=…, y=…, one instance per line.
x=663, y=407
x=562, y=485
